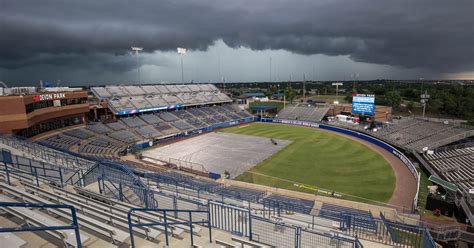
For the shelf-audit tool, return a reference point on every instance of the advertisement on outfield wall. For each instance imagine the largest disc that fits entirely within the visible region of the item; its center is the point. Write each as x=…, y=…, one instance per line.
x=363, y=104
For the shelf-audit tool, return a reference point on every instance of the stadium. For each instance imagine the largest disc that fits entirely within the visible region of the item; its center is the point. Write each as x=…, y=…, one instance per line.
x=182, y=165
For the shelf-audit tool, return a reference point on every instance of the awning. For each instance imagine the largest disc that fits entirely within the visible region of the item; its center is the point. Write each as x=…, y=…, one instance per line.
x=445, y=184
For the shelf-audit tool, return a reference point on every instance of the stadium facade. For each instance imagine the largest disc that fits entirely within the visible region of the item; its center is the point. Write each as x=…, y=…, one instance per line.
x=29, y=111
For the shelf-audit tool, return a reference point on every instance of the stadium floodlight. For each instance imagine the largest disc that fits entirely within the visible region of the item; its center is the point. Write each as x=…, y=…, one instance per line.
x=136, y=50
x=181, y=52
x=337, y=87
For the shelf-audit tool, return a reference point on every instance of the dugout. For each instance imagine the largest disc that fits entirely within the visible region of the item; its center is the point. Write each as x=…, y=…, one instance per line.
x=441, y=197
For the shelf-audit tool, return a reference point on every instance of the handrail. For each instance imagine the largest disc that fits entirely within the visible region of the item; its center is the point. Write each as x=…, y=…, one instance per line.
x=167, y=223
x=74, y=226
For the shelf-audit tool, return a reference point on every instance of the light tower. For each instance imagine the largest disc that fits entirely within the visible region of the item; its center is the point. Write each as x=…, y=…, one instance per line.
x=136, y=50
x=337, y=84
x=354, y=77
x=424, y=99
x=270, y=72
x=181, y=52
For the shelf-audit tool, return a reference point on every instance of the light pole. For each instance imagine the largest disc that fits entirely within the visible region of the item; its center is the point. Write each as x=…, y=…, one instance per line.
x=136, y=50
x=354, y=77
x=181, y=52
x=424, y=99
x=304, y=86
x=337, y=87
x=270, y=69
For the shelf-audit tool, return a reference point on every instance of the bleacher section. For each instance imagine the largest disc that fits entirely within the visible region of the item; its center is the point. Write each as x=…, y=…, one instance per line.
x=303, y=113
x=107, y=140
x=130, y=99
x=362, y=219
x=455, y=165
x=286, y=203
x=62, y=141
x=415, y=134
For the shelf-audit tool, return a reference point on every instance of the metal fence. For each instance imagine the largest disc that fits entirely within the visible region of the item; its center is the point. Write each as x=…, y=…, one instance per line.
x=27, y=168
x=389, y=233
x=190, y=220
x=229, y=218
x=73, y=226
x=311, y=238
x=273, y=233
x=279, y=234
x=44, y=153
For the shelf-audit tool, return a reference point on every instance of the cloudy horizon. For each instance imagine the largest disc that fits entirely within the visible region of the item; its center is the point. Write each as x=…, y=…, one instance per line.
x=88, y=42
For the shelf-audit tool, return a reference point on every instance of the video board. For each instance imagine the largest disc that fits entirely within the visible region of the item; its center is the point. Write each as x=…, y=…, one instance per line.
x=363, y=104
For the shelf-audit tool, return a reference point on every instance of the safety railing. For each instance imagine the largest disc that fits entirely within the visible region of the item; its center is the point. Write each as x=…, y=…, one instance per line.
x=167, y=222
x=74, y=226
x=27, y=168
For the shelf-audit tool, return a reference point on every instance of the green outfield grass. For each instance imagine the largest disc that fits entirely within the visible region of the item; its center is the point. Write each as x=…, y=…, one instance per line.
x=320, y=159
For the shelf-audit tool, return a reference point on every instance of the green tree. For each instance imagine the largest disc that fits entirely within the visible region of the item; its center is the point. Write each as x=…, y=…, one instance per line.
x=270, y=91
x=393, y=99
x=290, y=94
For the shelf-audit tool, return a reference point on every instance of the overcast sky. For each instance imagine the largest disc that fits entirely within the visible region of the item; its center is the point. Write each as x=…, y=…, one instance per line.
x=89, y=41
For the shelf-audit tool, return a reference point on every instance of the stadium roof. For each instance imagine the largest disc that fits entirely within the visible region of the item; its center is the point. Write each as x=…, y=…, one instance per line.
x=280, y=94
x=254, y=94
x=263, y=107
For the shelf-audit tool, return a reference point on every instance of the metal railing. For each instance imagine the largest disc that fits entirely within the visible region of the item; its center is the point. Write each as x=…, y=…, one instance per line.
x=74, y=226
x=19, y=166
x=45, y=153
x=166, y=223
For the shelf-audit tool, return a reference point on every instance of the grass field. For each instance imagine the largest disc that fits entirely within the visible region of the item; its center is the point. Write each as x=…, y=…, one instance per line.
x=320, y=159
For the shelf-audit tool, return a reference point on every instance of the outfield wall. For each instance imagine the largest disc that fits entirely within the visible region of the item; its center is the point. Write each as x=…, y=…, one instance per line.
x=365, y=137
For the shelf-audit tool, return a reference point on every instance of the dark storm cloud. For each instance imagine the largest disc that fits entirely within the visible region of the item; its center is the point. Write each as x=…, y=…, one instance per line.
x=433, y=34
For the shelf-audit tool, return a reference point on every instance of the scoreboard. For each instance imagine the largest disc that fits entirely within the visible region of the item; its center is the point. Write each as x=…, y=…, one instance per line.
x=363, y=104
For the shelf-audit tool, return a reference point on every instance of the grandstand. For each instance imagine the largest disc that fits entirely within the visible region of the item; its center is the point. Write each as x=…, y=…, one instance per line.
x=148, y=113
x=416, y=134
x=137, y=99
x=104, y=192
x=413, y=134
x=114, y=137
x=455, y=164
x=303, y=113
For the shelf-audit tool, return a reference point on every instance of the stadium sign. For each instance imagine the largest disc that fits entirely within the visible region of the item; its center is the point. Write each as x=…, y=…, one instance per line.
x=134, y=111
x=47, y=97
x=363, y=104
